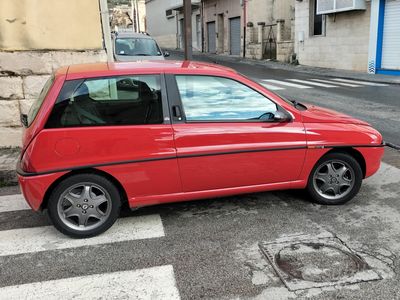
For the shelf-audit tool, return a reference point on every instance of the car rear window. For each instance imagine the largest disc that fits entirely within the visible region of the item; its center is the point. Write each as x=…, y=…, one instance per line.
x=39, y=101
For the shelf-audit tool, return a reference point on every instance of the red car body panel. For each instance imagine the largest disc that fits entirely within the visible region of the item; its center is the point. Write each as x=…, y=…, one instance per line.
x=184, y=161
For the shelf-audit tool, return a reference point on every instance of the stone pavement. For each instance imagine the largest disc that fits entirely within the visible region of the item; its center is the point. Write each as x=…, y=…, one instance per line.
x=8, y=161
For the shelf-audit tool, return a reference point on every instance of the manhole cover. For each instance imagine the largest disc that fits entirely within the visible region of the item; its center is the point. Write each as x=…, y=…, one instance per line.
x=303, y=262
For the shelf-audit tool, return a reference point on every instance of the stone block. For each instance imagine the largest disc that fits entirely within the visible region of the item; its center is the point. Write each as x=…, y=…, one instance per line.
x=41, y=63
x=32, y=85
x=10, y=136
x=25, y=62
x=9, y=113
x=25, y=105
x=11, y=87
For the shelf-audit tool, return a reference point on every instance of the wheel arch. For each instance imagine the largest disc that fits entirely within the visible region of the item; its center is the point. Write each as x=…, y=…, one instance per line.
x=353, y=153
x=118, y=185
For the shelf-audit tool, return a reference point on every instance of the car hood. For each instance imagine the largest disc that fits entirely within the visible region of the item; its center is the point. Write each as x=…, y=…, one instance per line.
x=137, y=58
x=316, y=114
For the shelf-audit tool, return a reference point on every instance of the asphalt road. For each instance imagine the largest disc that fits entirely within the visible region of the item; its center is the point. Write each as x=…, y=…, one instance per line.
x=219, y=248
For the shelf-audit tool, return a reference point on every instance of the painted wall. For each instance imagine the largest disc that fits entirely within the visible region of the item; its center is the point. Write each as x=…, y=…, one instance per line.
x=161, y=28
x=345, y=44
x=229, y=9
x=49, y=24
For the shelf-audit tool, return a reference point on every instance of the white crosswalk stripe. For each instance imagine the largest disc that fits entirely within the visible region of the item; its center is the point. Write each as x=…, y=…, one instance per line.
x=45, y=238
x=152, y=283
x=360, y=82
x=337, y=83
x=13, y=203
x=272, y=87
x=314, y=83
x=277, y=85
x=279, y=82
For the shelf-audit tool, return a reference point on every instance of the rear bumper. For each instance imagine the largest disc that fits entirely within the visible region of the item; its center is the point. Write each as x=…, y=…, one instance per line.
x=34, y=188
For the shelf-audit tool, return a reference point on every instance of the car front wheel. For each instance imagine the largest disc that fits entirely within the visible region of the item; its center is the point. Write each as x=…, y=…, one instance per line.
x=84, y=205
x=335, y=179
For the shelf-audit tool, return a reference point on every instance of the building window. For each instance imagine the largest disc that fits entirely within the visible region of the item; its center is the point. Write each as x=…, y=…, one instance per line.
x=317, y=22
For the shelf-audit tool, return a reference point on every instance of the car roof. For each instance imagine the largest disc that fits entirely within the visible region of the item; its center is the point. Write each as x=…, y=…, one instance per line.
x=125, y=35
x=144, y=67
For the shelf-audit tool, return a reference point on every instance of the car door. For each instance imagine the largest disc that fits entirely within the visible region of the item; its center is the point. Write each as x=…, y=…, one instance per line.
x=225, y=137
x=118, y=124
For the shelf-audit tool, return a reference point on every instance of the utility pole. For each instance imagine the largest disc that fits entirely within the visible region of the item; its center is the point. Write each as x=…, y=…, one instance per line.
x=187, y=16
x=105, y=24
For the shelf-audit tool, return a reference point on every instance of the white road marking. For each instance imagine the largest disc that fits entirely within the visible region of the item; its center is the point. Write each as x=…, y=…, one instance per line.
x=337, y=83
x=272, y=87
x=12, y=203
x=152, y=283
x=44, y=238
x=313, y=83
x=279, y=82
x=360, y=82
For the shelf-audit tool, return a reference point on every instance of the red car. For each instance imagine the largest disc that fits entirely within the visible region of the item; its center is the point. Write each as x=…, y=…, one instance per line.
x=146, y=133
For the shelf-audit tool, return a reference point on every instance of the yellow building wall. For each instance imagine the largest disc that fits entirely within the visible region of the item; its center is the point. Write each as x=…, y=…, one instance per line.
x=50, y=24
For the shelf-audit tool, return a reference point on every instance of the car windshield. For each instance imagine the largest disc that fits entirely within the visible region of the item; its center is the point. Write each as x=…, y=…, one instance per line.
x=136, y=47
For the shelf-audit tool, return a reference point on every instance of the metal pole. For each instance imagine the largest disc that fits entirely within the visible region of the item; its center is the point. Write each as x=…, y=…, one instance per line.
x=187, y=15
x=244, y=27
x=137, y=15
x=105, y=24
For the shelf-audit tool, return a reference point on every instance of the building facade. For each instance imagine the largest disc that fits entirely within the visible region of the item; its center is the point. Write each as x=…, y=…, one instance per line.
x=223, y=25
x=36, y=38
x=384, y=42
x=270, y=29
x=356, y=35
x=164, y=21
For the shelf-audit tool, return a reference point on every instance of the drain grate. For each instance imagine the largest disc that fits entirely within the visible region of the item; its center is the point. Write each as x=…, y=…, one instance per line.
x=304, y=262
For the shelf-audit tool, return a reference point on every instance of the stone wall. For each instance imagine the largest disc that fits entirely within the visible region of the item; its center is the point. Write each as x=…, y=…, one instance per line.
x=344, y=45
x=22, y=76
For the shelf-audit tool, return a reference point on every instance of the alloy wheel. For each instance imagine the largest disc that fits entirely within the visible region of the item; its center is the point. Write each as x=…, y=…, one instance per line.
x=84, y=206
x=333, y=179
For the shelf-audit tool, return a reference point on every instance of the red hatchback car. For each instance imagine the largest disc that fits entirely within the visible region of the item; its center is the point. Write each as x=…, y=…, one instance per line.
x=145, y=133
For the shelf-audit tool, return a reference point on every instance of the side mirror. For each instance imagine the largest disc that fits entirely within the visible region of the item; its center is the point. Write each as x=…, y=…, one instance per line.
x=166, y=54
x=282, y=117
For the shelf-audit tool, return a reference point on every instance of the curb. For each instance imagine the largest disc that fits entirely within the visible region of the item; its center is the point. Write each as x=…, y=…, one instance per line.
x=327, y=72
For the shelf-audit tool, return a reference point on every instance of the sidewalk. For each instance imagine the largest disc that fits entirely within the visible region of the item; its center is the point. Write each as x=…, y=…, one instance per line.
x=289, y=67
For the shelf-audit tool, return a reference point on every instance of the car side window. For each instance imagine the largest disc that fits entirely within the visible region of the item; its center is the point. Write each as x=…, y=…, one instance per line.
x=122, y=100
x=211, y=98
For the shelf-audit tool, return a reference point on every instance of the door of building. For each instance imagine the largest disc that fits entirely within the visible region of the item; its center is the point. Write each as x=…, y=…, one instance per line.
x=234, y=36
x=211, y=37
x=391, y=36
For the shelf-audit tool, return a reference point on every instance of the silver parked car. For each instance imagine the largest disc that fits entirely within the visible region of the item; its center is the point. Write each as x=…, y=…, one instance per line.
x=129, y=46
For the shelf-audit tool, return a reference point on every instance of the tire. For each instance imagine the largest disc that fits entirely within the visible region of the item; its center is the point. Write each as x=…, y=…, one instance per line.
x=84, y=205
x=330, y=184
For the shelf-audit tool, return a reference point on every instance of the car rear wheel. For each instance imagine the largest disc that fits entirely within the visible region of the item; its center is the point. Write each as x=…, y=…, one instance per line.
x=84, y=205
x=335, y=179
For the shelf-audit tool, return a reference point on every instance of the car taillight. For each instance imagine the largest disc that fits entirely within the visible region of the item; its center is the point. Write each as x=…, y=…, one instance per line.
x=26, y=164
